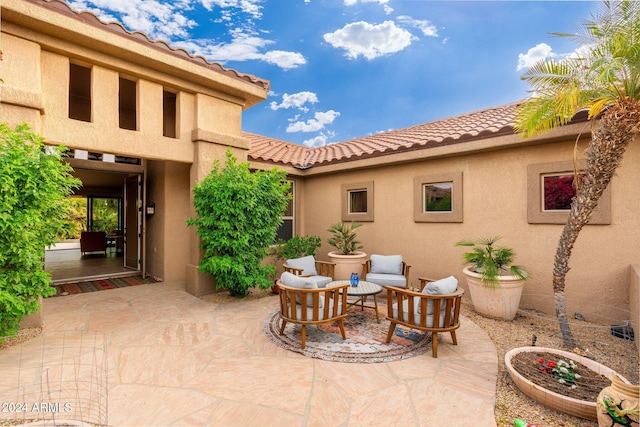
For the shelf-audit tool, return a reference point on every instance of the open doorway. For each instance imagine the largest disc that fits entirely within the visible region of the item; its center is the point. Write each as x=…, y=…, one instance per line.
x=105, y=236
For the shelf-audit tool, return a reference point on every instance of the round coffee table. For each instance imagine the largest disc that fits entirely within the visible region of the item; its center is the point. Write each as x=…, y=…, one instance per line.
x=362, y=291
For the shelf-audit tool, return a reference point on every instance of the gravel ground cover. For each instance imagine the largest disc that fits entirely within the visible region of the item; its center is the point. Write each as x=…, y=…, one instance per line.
x=595, y=341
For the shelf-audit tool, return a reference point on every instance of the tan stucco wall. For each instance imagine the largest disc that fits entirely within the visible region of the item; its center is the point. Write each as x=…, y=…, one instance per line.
x=495, y=203
x=634, y=301
x=167, y=231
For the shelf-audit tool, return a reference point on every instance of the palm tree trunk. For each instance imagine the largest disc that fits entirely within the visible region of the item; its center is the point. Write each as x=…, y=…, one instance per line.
x=616, y=130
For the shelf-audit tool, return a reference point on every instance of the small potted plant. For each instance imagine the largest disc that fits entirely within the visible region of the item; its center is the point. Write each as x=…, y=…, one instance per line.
x=495, y=284
x=347, y=256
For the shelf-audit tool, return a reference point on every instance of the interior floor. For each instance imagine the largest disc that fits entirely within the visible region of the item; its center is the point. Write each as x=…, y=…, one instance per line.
x=67, y=264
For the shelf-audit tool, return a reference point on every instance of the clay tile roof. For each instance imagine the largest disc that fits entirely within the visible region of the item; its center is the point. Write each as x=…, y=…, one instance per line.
x=62, y=7
x=476, y=125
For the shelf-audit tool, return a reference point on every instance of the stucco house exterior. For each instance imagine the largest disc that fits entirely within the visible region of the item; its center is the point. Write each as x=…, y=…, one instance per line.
x=154, y=119
x=135, y=112
x=496, y=180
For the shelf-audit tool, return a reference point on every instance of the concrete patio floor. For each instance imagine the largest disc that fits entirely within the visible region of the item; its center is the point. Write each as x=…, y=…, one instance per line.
x=174, y=359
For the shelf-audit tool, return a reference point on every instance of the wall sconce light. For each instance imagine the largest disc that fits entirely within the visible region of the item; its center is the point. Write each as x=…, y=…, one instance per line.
x=151, y=208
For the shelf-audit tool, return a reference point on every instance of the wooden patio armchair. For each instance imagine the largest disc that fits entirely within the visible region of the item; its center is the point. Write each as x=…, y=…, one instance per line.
x=382, y=275
x=321, y=272
x=416, y=310
x=312, y=306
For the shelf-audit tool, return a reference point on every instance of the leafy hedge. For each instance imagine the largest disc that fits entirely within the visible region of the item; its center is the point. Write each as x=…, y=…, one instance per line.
x=33, y=186
x=237, y=215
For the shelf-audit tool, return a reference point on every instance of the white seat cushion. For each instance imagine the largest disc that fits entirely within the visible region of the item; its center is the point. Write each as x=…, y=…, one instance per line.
x=321, y=281
x=389, y=264
x=397, y=280
x=445, y=286
x=416, y=315
x=307, y=264
x=320, y=311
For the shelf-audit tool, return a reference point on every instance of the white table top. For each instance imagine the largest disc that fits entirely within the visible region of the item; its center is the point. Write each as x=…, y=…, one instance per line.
x=363, y=288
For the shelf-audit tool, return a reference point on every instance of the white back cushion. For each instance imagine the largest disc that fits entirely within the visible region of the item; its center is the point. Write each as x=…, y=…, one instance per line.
x=389, y=264
x=307, y=264
x=445, y=286
x=298, y=282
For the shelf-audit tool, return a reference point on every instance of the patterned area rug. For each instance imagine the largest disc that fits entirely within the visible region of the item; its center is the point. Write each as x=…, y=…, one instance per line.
x=99, y=285
x=365, y=343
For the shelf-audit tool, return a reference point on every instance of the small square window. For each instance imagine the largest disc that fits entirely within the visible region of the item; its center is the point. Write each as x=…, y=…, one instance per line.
x=438, y=198
x=357, y=201
x=558, y=191
x=551, y=190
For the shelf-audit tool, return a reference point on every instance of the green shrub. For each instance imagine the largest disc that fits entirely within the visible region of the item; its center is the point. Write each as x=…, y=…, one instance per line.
x=33, y=187
x=237, y=215
x=296, y=247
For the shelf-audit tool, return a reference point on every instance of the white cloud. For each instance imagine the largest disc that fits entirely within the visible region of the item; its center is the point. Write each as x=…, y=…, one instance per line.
x=315, y=142
x=165, y=21
x=243, y=47
x=370, y=41
x=533, y=55
x=296, y=100
x=158, y=20
x=251, y=7
x=321, y=140
x=313, y=125
x=426, y=27
x=385, y=4
x=284, y=59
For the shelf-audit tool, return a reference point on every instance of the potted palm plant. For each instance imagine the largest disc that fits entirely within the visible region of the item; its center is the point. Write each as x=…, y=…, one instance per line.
x=347, y=256
x=495, y=284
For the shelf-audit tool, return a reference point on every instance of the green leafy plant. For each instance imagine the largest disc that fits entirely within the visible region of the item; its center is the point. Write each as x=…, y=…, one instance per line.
x=296, y=247
x=76, y=215
x=491, y=261
x=344, y=237
x=34, y=183
x=237, y=215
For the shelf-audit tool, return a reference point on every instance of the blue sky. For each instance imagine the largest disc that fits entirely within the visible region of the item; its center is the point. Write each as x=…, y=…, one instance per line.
x=342, y=69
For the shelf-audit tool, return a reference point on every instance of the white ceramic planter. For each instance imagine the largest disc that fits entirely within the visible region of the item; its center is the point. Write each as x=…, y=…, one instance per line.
x=568, y=405
x=347, y=264
x=499, y=302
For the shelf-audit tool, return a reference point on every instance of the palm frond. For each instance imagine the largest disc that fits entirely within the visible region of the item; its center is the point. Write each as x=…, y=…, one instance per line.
x=598, y=106
x=605, y=71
